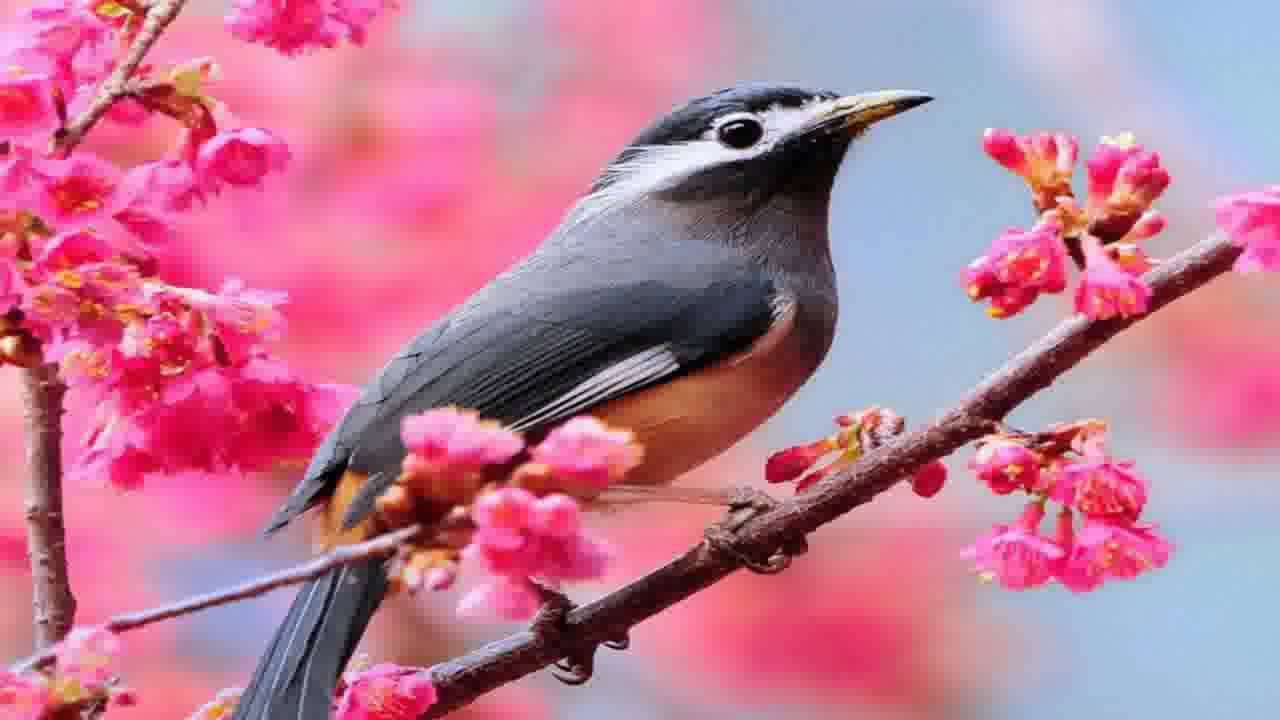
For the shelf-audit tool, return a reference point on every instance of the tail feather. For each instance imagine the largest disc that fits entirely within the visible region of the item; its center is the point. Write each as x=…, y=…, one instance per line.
x=297, y=674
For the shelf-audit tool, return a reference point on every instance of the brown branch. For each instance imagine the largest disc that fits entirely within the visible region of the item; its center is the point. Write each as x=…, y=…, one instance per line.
x=116, y=87
x=344, y=555
x=461, y=681
x=55, y=606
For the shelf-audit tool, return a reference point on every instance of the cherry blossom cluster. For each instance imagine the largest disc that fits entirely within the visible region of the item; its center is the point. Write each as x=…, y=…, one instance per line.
x=1252, y=221
x=293, y=26
x=512, y=510
x=1103, y=235
x=174, y=379
x=858, y=432
x=1098, y=536
x=84, y=674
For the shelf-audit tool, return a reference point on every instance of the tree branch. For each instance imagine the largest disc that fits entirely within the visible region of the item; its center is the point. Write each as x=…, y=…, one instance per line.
x=159, y=14
x=461, y=681
x=55, y=606
x=385, y=544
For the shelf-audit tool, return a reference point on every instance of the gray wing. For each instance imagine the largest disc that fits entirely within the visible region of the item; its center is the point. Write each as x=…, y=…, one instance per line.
x=544, y=357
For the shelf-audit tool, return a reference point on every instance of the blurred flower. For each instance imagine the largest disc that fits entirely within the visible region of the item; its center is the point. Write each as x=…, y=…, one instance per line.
x=587, y=452
x=220, y=707
x=241, y=158
x=292, y=26
x=1252, y=221
x=929, y=479
x=386, y=692
x=24, y=697
x=90, y=655
x=519, y=536
x=445, y=440
x=26, y=106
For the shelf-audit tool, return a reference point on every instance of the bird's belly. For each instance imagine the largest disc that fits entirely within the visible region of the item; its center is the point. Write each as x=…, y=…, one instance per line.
x=692, y=419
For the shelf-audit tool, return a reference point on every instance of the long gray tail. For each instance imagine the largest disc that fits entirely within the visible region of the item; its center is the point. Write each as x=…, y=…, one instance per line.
x=295, y=678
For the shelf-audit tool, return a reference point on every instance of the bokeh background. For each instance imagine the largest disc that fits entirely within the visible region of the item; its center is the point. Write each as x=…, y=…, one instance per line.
x=433, y=158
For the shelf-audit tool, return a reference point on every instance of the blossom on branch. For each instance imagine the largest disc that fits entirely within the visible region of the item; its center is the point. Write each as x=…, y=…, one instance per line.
x=1252, y=221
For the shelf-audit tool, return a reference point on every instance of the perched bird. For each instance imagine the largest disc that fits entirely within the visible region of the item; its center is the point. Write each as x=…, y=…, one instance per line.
x=686, y=296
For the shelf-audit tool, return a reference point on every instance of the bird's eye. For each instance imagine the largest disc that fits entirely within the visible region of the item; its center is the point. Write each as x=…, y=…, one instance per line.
x=740, y=133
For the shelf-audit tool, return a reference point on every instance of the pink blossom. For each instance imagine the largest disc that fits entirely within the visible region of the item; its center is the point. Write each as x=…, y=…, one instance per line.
x=90, y=655
x=519, y=536
x=18, y=178
x=241, y=158
x=1124, y=178
x=168, y=184
x=1006, y=465
x=929, y=479
x=78, y=192
x=24, y=697
x=1016, y=556
x=501, y=598
x=1106, y=290
x=1019, y=266
x=789, y=464
x=445, y=439
x=1252, y=221
x=26, y=106
x=585, y=450
x=1045, y=160
x=386, y=692
x=292, y=26
x=1101, y=487
x=1105, y=550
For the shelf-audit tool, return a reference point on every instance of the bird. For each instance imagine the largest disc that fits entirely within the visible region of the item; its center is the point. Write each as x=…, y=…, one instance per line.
x=686, y=296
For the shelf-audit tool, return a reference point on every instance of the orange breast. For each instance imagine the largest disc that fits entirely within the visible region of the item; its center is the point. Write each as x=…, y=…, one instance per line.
x=687, y=421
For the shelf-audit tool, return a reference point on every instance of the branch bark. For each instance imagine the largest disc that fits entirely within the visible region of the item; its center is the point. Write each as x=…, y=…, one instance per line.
x=55, y=606
x=159, y=14
x=385, y=544
x=461, y=681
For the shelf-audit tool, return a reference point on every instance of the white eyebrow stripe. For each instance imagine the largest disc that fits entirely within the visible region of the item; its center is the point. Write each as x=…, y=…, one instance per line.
x=652, y=168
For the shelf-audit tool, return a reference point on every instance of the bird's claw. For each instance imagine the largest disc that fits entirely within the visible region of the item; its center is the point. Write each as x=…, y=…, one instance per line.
x=746, y=503
x=578, y=665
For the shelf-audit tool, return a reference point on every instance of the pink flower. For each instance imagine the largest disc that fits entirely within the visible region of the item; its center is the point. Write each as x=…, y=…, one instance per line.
x=1102, y=487
x=1045, y=160
x=1252, y=221
x=584, y=450
x=446, y=439
x=1104, y=550
x=1019, y=266
x=1016, y=556
x=78, y=192
x=1006, y=465
x=89, y=654
x=18, y=178
x=26, y=106
x=241, y=158
x=789, y=464
x=289, y=26
x=386, y=692
x=292, y=26
x=500, y=598
x=928, y=480
x=1124, y=179
x=519, y=536
x=24, y=697
x=167, y=184
x=1105, y=289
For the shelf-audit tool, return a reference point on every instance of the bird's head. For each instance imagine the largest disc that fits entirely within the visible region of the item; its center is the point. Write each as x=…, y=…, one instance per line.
x=747, y=144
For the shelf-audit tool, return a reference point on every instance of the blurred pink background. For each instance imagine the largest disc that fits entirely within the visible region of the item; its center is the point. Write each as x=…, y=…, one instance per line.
x=433, y=158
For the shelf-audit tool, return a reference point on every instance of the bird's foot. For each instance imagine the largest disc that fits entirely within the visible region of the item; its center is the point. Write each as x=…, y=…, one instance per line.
x=725, y=536
x=578, y=665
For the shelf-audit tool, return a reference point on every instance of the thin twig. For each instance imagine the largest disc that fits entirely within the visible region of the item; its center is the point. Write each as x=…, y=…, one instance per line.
x=159, y=14
x=344, y=555
x=461, y=681
x=55, y=606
